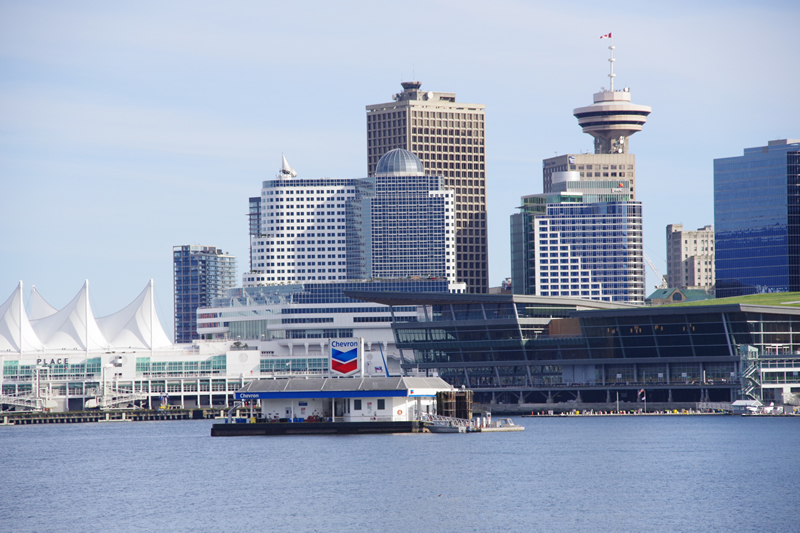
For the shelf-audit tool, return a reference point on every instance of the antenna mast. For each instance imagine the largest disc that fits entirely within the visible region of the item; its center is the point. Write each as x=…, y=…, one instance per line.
x=611, y=67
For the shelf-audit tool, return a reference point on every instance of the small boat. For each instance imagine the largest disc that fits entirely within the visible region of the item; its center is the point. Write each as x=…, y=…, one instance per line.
x=445, y=426
x=502, y=424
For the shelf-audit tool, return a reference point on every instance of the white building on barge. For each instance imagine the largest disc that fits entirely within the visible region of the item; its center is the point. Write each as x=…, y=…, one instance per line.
x=348, y=399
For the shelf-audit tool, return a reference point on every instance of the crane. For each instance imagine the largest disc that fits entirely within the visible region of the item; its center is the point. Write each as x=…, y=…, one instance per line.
x=663, y=284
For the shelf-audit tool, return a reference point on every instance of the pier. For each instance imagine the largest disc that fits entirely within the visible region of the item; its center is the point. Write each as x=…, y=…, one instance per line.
x=23, y=418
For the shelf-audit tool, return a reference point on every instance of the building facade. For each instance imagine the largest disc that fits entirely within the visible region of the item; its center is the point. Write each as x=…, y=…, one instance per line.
x=292, y=325
x=529, y=349
x=412, y=219
x=690, y=257
x=757, y=220
x=309, y=230
x=397, y=224
x=566, y=245
x=200, y=274
x=449, y=138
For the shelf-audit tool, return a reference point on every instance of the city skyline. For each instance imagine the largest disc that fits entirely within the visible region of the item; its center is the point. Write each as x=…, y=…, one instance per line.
x=129, y=130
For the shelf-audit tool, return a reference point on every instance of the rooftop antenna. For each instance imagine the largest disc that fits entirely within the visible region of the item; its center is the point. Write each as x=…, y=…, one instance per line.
x=611, y=67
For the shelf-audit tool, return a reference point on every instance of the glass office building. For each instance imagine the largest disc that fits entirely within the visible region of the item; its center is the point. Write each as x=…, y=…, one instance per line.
x=412, y=221
x=757, y=220
x=531, y=349
x=584, y=240
x=200, y=274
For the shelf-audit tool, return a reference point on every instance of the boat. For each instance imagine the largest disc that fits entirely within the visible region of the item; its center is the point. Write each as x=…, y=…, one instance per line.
x=445, y=426
x=501, y=424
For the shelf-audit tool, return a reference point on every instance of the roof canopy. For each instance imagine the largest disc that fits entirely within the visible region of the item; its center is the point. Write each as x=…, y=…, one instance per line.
x=74, y=327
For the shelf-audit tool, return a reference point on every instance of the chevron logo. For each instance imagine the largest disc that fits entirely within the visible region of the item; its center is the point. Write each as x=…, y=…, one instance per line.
x=344, y=362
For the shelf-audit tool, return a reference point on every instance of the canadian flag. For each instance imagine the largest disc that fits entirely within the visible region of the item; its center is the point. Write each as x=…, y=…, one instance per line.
x=606, y=36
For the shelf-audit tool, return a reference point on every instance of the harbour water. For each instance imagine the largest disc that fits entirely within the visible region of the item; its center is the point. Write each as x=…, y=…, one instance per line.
x=560, y=474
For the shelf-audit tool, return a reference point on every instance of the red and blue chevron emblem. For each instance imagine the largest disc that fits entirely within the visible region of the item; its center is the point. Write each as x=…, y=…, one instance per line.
x=344, y=362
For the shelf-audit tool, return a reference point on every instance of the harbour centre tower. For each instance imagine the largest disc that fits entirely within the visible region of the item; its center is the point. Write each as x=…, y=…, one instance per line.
x=582, y=237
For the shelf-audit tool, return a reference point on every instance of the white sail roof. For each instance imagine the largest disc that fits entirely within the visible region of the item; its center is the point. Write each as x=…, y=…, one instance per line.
x=71, y=328
x=286, y=170
x=15, y=328
x=137, y=325
x=38, y=307
x=74, y=327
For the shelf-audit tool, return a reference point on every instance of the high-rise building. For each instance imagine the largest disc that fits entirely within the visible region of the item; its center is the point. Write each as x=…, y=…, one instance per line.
x=583, y=235
x=309, y=230
x=200, y=274
x=578, y=242
x=690, y=257
x=411, y=221
x=757, y=220
x=399, y=223
x=449, y=138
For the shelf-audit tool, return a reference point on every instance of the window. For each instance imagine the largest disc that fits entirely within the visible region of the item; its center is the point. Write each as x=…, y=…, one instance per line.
x=356, y=405
x=381, y=404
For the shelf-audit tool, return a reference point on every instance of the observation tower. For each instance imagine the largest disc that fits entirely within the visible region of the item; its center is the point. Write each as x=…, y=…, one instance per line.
x=612, y=118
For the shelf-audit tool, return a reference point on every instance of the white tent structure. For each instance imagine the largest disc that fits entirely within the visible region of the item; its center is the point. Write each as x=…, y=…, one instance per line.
x=16, y=333
x=75, y=328
x=38, y=307
x=137, y=325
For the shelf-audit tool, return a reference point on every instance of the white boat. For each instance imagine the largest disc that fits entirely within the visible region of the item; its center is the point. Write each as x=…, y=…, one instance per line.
x=445, y=426
x=502, y=424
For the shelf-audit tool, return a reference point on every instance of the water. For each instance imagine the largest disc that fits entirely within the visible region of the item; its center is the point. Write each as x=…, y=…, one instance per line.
x=576, y=474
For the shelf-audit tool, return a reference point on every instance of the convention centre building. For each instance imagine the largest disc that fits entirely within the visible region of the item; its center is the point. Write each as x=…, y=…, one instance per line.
x=534, y=349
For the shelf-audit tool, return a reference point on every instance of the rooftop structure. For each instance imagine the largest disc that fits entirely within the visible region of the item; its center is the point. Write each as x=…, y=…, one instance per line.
x=612, y=118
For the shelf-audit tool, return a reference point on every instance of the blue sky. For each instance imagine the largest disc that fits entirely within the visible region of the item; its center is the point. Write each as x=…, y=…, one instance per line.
x=130, y=127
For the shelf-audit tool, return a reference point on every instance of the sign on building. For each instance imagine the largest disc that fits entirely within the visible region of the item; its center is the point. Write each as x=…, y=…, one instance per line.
x=346, y=356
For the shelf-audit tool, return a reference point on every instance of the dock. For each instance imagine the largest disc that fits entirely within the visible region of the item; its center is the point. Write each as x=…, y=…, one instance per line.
x=24, y=418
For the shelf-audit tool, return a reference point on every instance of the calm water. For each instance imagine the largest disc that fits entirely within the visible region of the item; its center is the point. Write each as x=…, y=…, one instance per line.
x=578, y=474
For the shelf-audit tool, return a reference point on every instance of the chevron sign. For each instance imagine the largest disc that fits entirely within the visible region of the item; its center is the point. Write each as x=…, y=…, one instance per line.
x=345, y=355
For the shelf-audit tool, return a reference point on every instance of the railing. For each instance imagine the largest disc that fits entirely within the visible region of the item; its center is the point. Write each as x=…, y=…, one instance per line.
x=715, y=406
x=27, y=401
x=445, y=420
x=641, y=384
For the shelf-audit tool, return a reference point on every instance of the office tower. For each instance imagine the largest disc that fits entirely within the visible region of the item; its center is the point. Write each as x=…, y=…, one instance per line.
x=449, y=138
x=757, y=220
x=412, y=220
x=200, y=274
x=310, y=230
x=690, y=257
x=397, y=224
x=583, y=235
x=582, y=240
x=254, y=223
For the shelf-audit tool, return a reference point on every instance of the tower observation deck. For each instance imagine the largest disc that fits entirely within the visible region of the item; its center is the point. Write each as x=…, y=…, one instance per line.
x=612, y=118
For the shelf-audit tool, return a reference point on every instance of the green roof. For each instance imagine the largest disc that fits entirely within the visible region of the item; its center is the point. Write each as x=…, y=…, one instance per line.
x=788, y=299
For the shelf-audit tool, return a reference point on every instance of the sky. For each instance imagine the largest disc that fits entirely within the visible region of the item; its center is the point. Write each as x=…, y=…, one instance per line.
x=127, y=128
